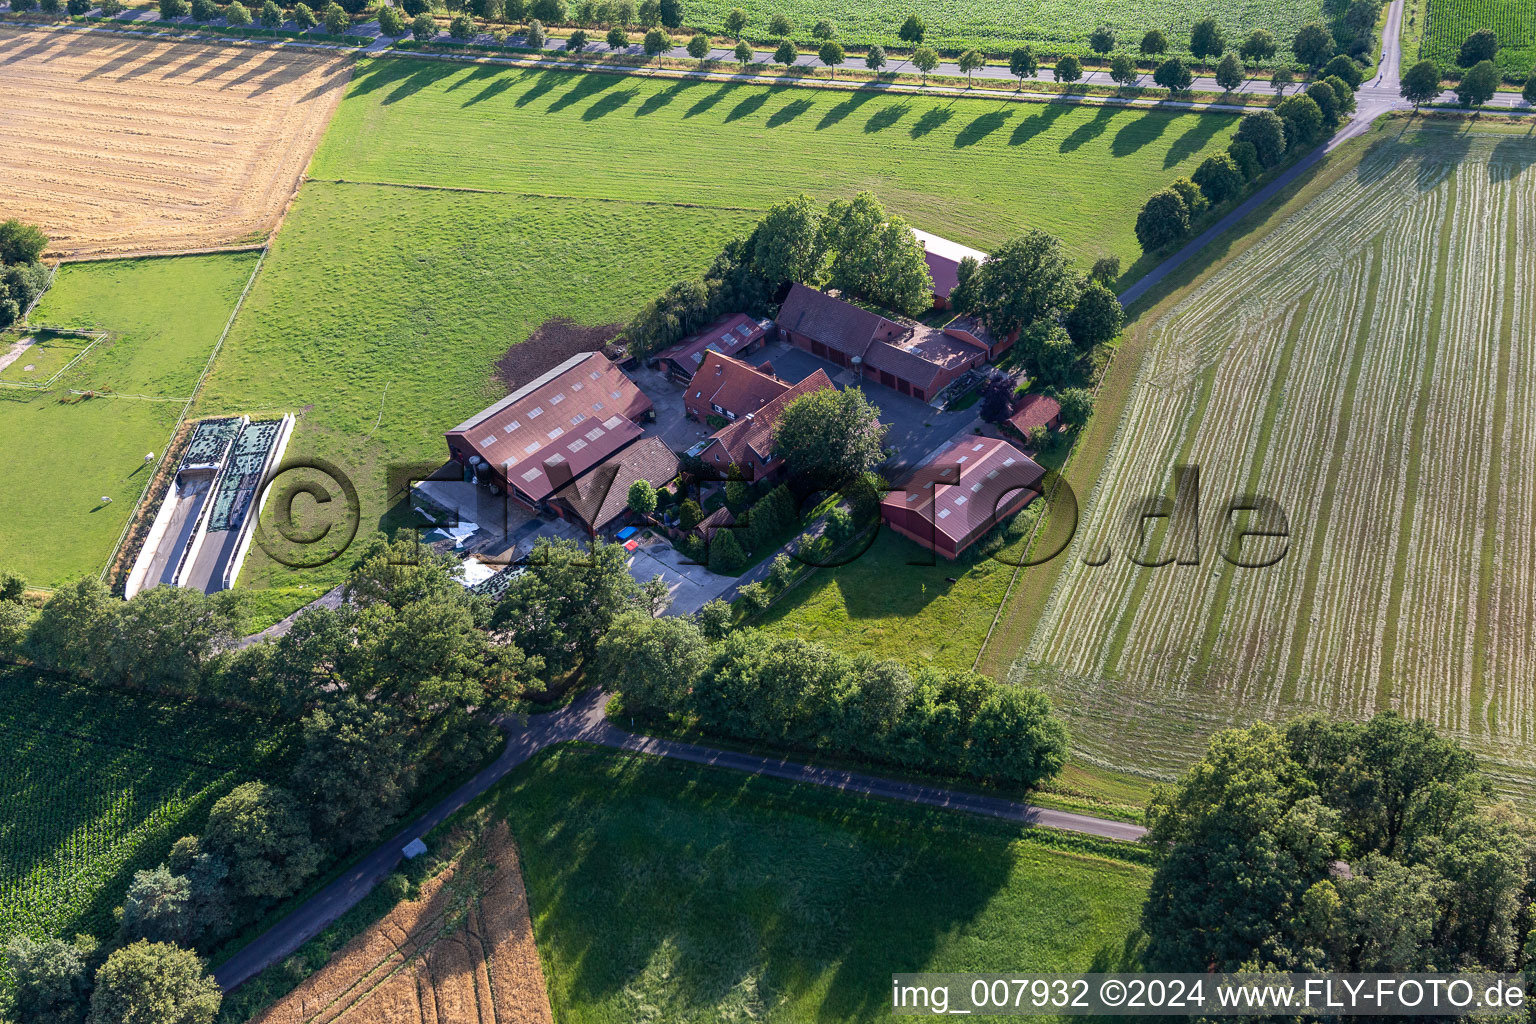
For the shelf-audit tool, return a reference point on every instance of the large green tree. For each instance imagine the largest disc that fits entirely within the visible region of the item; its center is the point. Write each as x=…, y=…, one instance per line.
x=260, y=832
x=50, y=979
x=786, y=244
x=874, y=256
x=153, y=983
x=1027, y=279
x=1337, y=846
x=355, y=771
x=830, y=436
x=651, y=662
x=559, y=608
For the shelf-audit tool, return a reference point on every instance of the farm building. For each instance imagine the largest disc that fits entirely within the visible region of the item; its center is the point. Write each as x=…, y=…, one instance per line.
x=971, y=329
x=748, y=443
x=911, y=358
x=602, y=496
x=729, y=389
x=552, y=430
x=943, y=258
x=1036, y=411
x=960, y=492
x=736, y=335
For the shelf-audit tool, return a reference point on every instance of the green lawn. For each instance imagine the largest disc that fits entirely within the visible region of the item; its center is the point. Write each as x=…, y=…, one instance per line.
x=381, y=312
x=163, y=317
x=662, y=891
x=883, y=604
x=978, y=171
x=98, y=785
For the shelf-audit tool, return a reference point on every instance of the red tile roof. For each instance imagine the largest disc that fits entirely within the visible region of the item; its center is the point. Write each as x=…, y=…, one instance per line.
x=602, y=495
x=733, y=385
x=749, y=441
x=1036, y=411
x=959, y=488
x=563, y=422
x=921, y=356
x=716, y=520
x=727, y=336
x=839, y=325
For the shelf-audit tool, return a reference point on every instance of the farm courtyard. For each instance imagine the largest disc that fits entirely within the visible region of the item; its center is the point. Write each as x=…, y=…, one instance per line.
x=1365, y=366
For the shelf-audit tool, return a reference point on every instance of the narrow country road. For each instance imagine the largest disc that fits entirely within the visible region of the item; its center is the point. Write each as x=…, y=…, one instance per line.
x=583, y=720
x=1374, y=98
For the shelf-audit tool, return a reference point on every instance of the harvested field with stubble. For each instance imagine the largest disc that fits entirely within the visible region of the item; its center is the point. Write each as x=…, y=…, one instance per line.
x=463, y=952
x=129, y=147
x=1367, y=365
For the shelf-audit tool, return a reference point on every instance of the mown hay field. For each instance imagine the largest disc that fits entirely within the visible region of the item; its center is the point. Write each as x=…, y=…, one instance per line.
x=1447, y=24
x=130, y=146
x=1367, y=366
x=461, y=952
x=84, y=437
x=1055, y=26
x=98, y=786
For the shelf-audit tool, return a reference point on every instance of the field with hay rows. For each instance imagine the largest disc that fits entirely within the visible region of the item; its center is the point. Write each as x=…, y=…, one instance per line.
x=1368, y=367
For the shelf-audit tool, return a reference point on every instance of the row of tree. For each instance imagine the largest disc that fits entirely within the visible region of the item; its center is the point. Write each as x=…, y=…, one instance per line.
x=23, y=277
x=1261, y=143
x=334, y=16
x=1479, y=80
x=793, y=694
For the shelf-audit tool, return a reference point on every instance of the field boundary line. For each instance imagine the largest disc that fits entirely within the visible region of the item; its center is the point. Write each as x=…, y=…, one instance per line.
x=156, y=254
x=186, y=408
x=97, y=337
x=420, y=187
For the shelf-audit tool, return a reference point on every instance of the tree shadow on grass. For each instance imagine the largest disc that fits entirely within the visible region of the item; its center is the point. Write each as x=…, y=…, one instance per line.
x=492, y=89
x=1088, y=130
x=584, y=87
x=1194, y=139
x=788, y=112
x=406, y=86
x=750, y=104
x=836, y=114
x=1512, y=156
x=1135, y=135
x=692, y=890
x=936, y=117
x=885, y=117
x=1041, y=122
x=982, y=126
x=706, y=102
x=657, y=100
x=608, y=104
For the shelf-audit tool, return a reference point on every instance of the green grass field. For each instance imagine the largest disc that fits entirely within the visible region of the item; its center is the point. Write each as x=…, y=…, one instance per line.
x=1447, y=23
x=669, y=892
x=163, y=317
x=893, y=602
x=98, y=785
x=978, y=171
x=1055, y=26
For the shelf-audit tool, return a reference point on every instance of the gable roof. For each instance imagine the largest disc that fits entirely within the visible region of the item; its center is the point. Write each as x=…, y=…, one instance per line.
x=921, y=356
x=603, y=494
x=960, y=505
x=1034, y=411
x=733, y=385
x=750, y=439
x=727, y=336
x=839, y=325
x=943, y=258
x=563, y=422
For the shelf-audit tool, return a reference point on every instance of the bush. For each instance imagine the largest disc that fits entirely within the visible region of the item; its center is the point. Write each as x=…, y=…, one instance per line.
x=424, y=28
x=462, y=28
x=726, y=558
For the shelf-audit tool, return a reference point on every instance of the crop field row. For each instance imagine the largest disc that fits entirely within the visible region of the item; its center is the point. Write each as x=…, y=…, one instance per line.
x=121, y=146
x=1367, y=367
x=98, y=785
x=1449, y=22
x=1058, y=26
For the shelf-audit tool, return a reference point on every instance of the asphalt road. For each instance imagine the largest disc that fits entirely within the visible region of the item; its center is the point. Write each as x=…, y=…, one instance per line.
x=583, y=720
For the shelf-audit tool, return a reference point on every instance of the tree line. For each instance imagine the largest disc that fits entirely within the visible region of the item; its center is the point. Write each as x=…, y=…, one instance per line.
x=23, y=277
x=1479, y=76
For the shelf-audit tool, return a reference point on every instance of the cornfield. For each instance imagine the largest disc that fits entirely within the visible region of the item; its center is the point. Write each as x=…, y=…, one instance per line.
x=1367, y=366
x=1448, y=23
x=98, y=785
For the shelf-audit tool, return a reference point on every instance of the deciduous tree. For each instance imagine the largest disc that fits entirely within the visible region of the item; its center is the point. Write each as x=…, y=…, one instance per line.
x=1206, y=39
x=1154, y=43
x=1478, y=84
x=153, y=983
x=1313, y=44
x=1479, y=46
x=1068, y=69
x=912, y=30
x=970, y=61
x=1023, y=63
x=1173, y=75
x=830, y=436
x=925, y=59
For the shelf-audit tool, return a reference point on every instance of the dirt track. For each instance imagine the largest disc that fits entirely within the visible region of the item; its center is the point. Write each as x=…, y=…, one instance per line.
x=126, y=146
x=463, y=953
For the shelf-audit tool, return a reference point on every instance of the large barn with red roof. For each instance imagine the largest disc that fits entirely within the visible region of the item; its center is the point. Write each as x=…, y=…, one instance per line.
x=960, y=492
